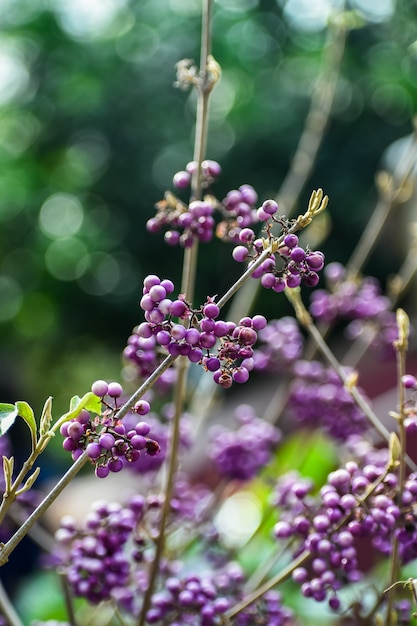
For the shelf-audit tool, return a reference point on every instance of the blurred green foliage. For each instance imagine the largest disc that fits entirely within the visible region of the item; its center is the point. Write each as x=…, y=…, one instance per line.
x=92, y=130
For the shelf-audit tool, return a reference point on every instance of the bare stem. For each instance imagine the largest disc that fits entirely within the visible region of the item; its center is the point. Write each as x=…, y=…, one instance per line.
x=204, y=88
x=173, y=458
x=401, y=346
x=305, y=319
x=390, y=198
x=7, y=549
x=272, y=582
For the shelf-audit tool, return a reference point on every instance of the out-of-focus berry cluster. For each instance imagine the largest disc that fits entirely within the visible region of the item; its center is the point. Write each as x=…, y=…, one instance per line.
x=319, y=399
x=280, y=345
x=240, y=454
x=290, y=265
x=360, y=302
x=107, y=558
x=410, y=406
x=105, y=438
x=221, y=347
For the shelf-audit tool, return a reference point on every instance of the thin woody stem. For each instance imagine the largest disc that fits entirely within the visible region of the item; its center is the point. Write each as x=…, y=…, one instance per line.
x=187, y=288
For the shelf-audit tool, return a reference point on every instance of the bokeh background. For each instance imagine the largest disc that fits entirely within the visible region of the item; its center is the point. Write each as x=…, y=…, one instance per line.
x=92, y=130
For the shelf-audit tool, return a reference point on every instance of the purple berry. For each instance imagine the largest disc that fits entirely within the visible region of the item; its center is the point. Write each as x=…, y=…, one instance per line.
x=100, y=388
x=115, y=390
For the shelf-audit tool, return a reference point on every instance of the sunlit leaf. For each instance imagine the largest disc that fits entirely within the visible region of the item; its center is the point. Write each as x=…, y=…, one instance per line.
x=26, y=412
x=8, y=414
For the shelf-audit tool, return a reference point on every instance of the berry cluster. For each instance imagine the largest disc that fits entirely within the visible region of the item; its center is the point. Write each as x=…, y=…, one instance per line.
x=159, y=424
x=185, y=224
x=358, y=501
x=223, y=348
x=238, y=212
x=318, y=399
x=358, y=301
x=281, y=344
x=289, y=266
x=93, y=555
x=202, y=600
x=105, y=438
x=240, y=454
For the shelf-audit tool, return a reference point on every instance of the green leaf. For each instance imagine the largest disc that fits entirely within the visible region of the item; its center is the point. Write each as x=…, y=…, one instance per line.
x=89, y=401
x=26, y=412
x=8, y=414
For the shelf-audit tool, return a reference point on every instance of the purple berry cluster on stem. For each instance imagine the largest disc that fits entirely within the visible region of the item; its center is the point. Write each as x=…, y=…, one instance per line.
x=200, y=219
x=105, y=438
x=359, y=501
x=221, y=347
x=290, y=265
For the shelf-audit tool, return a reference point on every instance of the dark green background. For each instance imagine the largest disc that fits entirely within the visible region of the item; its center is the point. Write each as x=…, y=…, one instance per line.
x=88, y=108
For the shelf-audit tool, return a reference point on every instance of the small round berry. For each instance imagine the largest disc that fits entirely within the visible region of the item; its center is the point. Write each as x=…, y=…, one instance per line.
x=268, y=280
x=311, y=279
x=106, y=441
x=240, y=254
x=168, y=285
x=248, y=194
x=258, y=322
x=142, y=407
x=100, y=388
x=240, y=375
x=211, y=310
x=315, y=260
x=115, y=464
x=279, y=285
x=270, y=207
x=157, y=293
x=142, y=428
x=298, y=254
x=409, y=381
x=293, y=280
x=115, y=390
x=212, y=364
x=262, y=215
x=191, y=167
x=211, y=168
x=182, y=180
x=172, y=237
x=178, y=308
x=246, y=235
x=75, y=430
x=150, y=281
x=93, y=450
x=102, y=471
x=138, y=442
x=291, y=240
